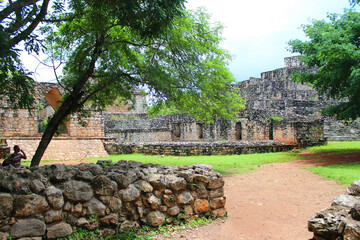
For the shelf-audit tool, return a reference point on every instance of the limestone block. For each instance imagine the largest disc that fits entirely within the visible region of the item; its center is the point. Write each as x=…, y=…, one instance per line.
x=27, y=205
x=354, y=189
x=111, y=219
x=221, y=212
x=216, y=203
x=6, y=205
x=77, y=191
x=54, y=197
x=216, y=182
x=129, y=194
x=346, y=201
x=96, y=207
x=113, y=203
x=36, y=186
x=144, y=186
x=219, y=192
x=59, y=230
x=28, y=228
x=53, y=216
x=155, y=218
x=184, y=198
x=175, y=183
x=173, y=211
x=201, y=206
x=103, y=186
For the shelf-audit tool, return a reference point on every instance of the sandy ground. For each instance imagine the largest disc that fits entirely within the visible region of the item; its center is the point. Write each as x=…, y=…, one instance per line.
x=273, y=202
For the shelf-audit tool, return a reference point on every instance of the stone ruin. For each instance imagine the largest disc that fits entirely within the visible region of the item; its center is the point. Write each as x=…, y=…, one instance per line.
x=54, y=200
x=342, y=220
x=278, y=111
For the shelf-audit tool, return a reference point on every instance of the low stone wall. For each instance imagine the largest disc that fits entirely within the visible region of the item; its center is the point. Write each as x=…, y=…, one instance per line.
x=54, y=200
x=342, y=220
x=198, y=148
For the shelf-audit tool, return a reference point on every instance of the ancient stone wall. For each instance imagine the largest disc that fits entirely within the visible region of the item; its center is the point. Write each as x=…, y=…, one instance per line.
x=54, y=200
x=14, y=123
x=62, y=148
x=341, y=131
x=198, y=148
x=342, y=219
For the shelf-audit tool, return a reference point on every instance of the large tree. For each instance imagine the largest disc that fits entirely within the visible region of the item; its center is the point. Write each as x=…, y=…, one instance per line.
x=334, y=48
x=111, y=47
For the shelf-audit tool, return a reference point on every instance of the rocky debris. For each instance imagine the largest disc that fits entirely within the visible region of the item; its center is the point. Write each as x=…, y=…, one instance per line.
x=341, y=220
x=61, y=198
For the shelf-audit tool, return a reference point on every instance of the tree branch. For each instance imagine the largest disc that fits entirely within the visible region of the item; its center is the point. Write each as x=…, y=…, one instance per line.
x=15, y=6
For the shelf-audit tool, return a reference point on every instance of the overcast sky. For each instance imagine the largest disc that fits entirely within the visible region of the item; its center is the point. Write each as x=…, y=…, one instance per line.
x=257, y=31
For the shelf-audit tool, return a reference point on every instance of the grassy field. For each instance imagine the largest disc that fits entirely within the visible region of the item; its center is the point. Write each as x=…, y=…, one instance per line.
x=238, y=164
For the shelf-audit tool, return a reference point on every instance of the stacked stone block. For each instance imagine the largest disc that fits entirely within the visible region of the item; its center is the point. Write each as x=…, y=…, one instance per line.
x=54, y=200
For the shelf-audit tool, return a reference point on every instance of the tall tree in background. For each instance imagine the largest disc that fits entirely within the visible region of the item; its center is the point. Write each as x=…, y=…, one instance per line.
x=111, y=47
x=333, y=47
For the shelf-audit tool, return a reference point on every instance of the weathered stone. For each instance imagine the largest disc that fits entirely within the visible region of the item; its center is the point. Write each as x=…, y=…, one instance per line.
x=201, y=206
x=76, y=209
x=144, y=186
x=188, y=211
x=84, y=175
x=155, y=218
x=111, y=219
x=37, y=186
x=163, y=208
x=82, y=222
x=20, y=186
x=175, y=183
x=124, y=180
x=77, y=191
x=28, y=228
x=154, y=202
x=157, y=181
x=188, y=175
x=346, y=201
x=27, y=205
x=59, y=230
x=184, y=198
x=217, y=203
x=201, y=191
x=6, y=205
x=173, y=211
x=129, y=194
x=221, y=212
x=5, y=236
x=126, y=225
x=201, y=178
x=216, y=193
x=168, y=192
x=96, y=207
x=53, y=216
x=54, y=197
x=216, y=182
x=103, y=186
x=60, y=176
x=113, y=203
x=354, y=189
x=352, y=230
x=355, y=212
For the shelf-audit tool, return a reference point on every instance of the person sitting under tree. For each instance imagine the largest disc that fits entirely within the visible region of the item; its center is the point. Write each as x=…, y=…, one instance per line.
x=15, y=158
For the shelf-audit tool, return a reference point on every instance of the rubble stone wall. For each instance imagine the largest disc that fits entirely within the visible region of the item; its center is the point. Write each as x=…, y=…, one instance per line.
x=341, y=220
x=198, y=148
x=54, y=200
x=341, y=131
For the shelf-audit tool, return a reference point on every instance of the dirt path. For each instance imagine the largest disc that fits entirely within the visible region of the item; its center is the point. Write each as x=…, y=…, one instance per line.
x=274, y=202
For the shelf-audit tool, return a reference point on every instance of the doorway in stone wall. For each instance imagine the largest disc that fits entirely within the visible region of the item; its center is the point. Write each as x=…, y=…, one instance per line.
x=238, y=131
x=271, y=130
x=176, y=132
x=200, y=130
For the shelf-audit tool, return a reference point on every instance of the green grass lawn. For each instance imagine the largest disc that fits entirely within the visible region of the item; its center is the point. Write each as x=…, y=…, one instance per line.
x=337, y=147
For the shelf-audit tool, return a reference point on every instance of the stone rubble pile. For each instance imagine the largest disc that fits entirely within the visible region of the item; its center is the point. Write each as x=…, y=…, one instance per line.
x=54, y=200
x=342, y=220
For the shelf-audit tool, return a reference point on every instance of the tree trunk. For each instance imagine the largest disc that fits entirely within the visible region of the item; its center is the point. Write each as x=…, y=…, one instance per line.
x=64, y=110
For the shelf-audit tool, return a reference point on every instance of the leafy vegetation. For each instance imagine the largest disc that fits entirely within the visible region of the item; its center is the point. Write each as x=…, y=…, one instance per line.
x=333, y=47
x=337, y=147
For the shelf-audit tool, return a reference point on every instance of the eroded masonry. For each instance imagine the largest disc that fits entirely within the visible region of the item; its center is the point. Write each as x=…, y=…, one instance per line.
x=278, y=112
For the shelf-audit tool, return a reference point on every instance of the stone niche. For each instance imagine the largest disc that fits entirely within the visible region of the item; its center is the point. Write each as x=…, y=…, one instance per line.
x=54, y=200
x=342, y=220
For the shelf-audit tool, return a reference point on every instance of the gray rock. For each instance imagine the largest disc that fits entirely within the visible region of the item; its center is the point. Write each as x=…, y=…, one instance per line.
x=175, y=183
x=113, y=203
x=201, y=178
x=28, y=228
x=352, y=230
x=77, y=191
x=128, y=225
x=53, y=216
x=103, y=186
x=155, y=218
x=6, y=205
x=355, y=212
x=84, y=175
x=144, y=186
x=111, y=219
x=157, y=181
x=129, y=194
x=124, y=179
x=59, y=230
x=36, y=186
x=154, y=202
x=27, y=205
x=346, y=201
x=354, y=189
x=184, y=198
x=188, y=175
x=216, y=193
x=173, y=211
x=96, y=207
x=54, y=197
x=216, y=182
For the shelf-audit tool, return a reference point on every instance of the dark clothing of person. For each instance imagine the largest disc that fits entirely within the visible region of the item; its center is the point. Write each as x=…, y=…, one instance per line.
x=13, y=159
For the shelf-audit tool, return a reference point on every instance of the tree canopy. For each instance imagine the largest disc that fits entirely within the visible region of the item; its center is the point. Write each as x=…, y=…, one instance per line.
x=333, y=47
x=110, y=48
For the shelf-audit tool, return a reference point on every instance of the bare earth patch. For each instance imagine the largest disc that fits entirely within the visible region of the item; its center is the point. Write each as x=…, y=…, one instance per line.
x=273, y=202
